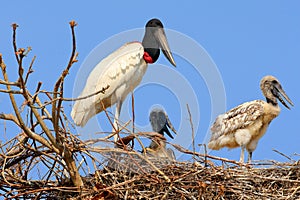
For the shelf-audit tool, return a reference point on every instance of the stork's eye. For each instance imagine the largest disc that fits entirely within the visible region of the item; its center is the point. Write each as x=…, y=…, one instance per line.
x=158, y=23
x=274, y=81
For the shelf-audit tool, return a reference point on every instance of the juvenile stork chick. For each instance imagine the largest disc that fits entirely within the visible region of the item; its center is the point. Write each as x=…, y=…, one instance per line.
x=245, y=124
x=160, y=122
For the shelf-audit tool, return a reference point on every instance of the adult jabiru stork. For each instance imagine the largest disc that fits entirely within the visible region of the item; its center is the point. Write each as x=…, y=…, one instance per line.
x=122, y=71
x=245, y=124
x=160, y=122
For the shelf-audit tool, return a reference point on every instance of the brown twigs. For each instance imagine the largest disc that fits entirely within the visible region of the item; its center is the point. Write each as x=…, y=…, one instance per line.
x=41, y=140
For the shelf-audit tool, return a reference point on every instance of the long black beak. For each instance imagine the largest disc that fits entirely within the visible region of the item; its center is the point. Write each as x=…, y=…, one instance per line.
x=281, y=93
x=160, y=36
x=170, y=125
x=166, y=130
x=161, y=123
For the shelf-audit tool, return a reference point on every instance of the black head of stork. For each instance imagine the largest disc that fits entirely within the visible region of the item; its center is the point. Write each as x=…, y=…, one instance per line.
x=160, y=122
x=154, y=40
x=273, y=90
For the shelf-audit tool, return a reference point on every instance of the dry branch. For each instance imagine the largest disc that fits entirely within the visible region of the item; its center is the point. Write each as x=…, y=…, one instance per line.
x=60, y=144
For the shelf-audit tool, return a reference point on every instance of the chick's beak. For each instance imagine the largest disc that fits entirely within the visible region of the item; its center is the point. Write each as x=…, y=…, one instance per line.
x=281, y=93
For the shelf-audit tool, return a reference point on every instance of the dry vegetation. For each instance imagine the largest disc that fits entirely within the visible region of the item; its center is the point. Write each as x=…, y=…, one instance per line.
x=46, y=161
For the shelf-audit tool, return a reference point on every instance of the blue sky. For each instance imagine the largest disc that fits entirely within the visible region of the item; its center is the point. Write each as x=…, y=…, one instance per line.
x=244, y=40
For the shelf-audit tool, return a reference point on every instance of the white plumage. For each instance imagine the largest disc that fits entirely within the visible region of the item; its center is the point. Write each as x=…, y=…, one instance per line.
x=245, y=124
x=122, y=71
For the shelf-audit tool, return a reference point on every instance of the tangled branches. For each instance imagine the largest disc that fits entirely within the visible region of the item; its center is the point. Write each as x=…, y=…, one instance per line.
x=45, y=140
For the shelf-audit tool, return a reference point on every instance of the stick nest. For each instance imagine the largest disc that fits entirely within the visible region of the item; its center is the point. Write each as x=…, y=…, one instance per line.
x=185, y=180
x=130, y=175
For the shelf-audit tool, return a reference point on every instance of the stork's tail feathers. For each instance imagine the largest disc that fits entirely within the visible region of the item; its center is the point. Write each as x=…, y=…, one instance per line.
x=213, y=145
x=80, y=115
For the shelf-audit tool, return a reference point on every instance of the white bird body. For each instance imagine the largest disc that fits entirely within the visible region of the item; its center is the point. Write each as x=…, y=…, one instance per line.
x=122, y=71
x=125, y=65
x=245, y=124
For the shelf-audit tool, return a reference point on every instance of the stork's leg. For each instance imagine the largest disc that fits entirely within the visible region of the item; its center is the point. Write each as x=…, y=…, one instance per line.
x=133, y=114
x=117, y=115
x=242, y=137
x=249, y=156
x=242, y=154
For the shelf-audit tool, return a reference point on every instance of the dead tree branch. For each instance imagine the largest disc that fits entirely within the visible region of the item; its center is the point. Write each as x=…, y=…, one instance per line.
x=56, y=106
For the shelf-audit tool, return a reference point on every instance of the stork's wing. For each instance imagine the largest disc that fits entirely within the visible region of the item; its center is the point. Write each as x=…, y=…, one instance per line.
x=237, y=118
x=115, y=70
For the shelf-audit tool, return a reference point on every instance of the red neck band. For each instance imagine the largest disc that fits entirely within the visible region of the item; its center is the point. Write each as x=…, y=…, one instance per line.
x=147, y=58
